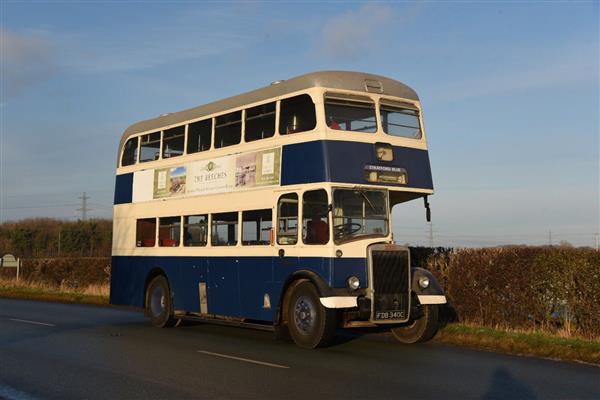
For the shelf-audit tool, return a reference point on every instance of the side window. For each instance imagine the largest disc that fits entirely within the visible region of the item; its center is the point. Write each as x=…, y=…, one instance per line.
x=150, y=147
x=173, y=141
x=260, y=122
x=256, y=227
x=297, y=114
x=224, y=230
x=145, y=232
x=315, y=221
x=195, y=230
x=228, y=129
x=130, y=152
x=350, y=113
x=199, y=134
x=400, y=120
x=287, y=219
x=169, y=231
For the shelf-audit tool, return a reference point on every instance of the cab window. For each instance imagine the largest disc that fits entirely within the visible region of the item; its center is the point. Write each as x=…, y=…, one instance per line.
x=315, y=221
x=287, y=219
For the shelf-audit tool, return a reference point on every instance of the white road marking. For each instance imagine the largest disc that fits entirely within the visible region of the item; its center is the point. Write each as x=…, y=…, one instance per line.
x=31, y=322
x=243, y=359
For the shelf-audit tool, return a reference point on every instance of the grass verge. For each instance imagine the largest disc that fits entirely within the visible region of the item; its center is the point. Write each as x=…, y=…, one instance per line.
x=93, y=294
x=537, y=344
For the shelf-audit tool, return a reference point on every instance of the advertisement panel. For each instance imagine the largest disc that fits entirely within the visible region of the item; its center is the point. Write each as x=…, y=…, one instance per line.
x=216, y=175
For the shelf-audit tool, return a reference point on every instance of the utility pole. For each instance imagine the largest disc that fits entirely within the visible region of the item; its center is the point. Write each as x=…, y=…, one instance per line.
x=597, y=238
x=550, y=237
x=84, y=208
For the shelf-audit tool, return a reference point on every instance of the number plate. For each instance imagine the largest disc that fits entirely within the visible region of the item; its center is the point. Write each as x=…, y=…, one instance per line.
x=399, y=314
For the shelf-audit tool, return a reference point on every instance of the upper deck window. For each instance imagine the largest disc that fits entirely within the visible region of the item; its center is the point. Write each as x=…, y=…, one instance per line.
x=150, y=148
x=173, y=141
x=350, y=113
x=228, y=129
x=260, y=122
x=297, y=114
x=400, y=119
x=199, y=135
x=130, y=152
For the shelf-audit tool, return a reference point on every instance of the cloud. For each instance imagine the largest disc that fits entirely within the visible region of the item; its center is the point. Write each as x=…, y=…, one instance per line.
x=26, y=60
x=354, y=33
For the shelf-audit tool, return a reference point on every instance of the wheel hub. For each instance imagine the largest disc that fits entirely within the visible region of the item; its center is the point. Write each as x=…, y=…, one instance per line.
x=304, y=315
x=157, y=301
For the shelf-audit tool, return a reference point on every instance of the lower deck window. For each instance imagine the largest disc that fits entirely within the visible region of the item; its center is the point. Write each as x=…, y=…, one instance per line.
x=169, y=231
x=224, y=229
x=256, y=227
x=145, y=232
x=195, y=230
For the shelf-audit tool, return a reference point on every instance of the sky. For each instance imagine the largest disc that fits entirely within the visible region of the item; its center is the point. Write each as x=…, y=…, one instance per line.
x=509, y=90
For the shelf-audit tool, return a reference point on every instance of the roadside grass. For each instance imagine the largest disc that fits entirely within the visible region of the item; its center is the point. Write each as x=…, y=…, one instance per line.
x=92, y=294
x=561, y=346
x=530, y=343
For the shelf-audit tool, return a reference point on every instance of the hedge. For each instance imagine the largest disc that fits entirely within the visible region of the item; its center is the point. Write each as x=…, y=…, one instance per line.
x=553, y=289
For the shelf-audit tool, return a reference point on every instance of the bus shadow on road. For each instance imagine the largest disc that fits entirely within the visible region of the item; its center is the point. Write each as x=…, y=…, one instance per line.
x=505, y=386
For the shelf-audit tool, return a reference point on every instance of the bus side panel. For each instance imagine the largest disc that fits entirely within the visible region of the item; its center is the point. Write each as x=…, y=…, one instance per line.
x=192, y=272
x=128, y=277
x=256, y=274
x=223, y=287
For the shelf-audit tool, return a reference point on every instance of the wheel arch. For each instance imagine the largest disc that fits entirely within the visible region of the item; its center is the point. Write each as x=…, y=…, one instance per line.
x=293, y=280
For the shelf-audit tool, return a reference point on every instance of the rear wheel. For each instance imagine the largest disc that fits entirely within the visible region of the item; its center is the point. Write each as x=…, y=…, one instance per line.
x=310, y=324
x=420, y=330
x=159, y=306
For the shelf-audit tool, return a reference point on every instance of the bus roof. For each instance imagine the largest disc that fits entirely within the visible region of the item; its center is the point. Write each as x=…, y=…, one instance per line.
x=356, y=81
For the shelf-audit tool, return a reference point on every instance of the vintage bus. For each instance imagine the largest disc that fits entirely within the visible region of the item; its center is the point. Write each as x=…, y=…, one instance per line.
x=271, y=209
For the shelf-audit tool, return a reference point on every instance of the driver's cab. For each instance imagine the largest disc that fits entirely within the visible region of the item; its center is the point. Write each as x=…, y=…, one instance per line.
x=333, y=215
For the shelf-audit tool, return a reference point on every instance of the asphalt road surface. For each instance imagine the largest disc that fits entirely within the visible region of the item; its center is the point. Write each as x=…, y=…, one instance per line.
x=60, y=351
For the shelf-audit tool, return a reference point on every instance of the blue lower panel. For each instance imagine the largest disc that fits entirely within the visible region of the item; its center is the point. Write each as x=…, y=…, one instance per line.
x=235, y=285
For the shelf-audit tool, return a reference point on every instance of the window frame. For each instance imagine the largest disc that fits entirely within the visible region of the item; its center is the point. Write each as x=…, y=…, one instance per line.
x=384, y=101
x=351, y=98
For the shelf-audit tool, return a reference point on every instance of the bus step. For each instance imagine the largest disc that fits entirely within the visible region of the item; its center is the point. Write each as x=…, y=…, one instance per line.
x=228, y=321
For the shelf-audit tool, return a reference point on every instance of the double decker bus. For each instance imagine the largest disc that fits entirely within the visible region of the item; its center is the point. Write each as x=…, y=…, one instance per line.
x=272, y=209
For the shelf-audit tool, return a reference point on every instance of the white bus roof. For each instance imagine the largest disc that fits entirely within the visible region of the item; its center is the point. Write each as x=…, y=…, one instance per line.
x=345, y=80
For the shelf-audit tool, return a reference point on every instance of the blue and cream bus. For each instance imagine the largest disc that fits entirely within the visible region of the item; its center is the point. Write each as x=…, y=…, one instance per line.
x=271, y=209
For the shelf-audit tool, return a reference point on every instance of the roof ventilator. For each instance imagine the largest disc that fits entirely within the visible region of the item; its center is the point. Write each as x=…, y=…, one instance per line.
x=373, y=86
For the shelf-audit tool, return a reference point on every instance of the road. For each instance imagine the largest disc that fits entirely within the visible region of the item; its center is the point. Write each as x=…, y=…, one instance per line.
x=61, y=351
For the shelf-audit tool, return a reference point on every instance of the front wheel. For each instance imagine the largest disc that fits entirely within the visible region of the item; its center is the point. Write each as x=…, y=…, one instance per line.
x=159, y=306
x=310, y=324
x=420, y=330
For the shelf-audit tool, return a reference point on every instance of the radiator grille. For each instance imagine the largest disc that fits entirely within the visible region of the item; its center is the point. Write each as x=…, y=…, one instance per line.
x=390, y=284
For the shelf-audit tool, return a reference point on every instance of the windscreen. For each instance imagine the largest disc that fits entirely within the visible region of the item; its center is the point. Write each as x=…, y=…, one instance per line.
x=359, y=212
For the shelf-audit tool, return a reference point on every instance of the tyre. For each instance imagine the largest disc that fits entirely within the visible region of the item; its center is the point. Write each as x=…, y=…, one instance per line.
x=310, y=324
x=420, y=330
x=159, y=305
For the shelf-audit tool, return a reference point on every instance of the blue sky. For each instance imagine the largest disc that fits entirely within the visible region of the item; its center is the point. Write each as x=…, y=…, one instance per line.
x=510, y=92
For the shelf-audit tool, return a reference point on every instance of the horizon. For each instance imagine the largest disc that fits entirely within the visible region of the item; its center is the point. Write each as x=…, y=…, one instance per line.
x=509, y=92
